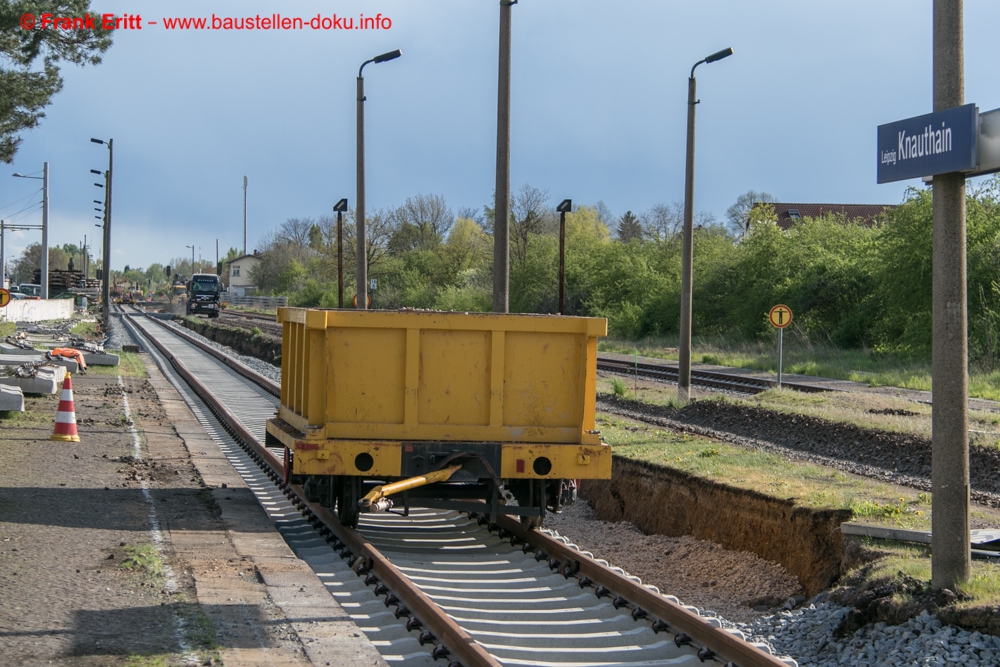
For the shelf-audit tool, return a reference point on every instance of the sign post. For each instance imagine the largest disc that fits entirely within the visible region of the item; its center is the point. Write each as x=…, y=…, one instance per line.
x=780, y=317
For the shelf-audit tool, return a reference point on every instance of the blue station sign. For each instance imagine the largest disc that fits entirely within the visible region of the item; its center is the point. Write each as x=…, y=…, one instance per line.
x=935, y=143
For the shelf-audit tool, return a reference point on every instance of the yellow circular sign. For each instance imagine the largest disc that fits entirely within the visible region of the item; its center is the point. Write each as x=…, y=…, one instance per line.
x=780, y=316
x=354, y=301
x=4, y=297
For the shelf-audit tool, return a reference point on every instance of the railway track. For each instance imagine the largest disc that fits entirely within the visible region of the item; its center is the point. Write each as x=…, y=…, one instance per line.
x=728, y=381
x=441, y=586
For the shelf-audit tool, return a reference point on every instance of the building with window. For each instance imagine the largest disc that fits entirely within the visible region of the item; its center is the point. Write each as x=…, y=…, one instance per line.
x=864, y=214
x=239, y=274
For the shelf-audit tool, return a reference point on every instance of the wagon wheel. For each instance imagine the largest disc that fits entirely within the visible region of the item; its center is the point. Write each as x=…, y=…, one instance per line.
x=347, y=501
x=530, y=493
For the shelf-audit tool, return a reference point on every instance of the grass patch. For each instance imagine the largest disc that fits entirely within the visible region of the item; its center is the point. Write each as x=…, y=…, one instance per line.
x=7, y=329
x=87, y=329
x=159, y=660
x=618, y=387
x=807, y=485
x=130, y=364
x=806, y=358
x=914, y=560
x=39, y=411
x=142, y=559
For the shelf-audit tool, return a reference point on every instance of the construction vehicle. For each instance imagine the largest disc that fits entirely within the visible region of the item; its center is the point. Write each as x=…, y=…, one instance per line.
x=203, y=294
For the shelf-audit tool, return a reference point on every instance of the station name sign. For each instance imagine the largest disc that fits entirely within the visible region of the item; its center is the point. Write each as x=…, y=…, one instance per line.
x=935, y=143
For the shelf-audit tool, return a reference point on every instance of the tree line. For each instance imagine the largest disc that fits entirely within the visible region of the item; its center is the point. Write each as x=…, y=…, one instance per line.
x=850, y=284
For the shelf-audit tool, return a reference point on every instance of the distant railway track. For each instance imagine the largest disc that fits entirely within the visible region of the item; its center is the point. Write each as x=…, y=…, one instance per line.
x=728, y=381
x=474, y=592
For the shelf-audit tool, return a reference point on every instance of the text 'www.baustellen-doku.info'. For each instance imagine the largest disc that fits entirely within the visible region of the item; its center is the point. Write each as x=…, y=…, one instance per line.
x=212, y=22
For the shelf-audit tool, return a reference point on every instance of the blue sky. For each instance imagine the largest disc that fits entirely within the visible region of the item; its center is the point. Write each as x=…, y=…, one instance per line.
x=598, y=110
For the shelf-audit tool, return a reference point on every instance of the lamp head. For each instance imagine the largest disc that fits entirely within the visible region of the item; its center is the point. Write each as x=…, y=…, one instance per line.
x=97, y=141
x=719, y=55
x=565, y=206
x=340, y=206
x=391, y=55
x=99, y=173
x=100, y=185
x=17, y=174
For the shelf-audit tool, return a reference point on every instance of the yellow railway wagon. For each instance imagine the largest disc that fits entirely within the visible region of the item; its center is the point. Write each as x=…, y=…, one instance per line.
x=444, y=409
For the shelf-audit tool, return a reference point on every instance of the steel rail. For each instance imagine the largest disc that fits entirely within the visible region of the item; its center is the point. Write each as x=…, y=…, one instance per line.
x=574, y=562
x=457, y=640
x=705, y=378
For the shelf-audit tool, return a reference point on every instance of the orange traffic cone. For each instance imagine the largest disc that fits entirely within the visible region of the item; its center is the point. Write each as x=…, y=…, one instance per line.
x=66, y=417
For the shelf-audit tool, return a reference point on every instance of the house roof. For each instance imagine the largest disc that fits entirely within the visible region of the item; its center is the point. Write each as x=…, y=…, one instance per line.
x=866, y=214
x=243, y=257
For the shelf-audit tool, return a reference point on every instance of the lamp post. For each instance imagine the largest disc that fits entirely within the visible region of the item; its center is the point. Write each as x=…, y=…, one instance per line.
x=44, y=268
x=244, y=215
x=687, y=252
x=109, y=179
x=340, y=207
x=192, y=259
x=565, y=206
x=362, y=268
x=501, y=217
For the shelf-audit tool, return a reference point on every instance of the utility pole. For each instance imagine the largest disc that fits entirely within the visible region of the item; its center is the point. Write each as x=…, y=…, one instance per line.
x=501, y=218
x=3, y=264
x=45, y=232
x=950, y=535
x=244, y=214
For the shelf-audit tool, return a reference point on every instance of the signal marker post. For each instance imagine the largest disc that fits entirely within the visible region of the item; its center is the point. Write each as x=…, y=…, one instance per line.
x=780, y=317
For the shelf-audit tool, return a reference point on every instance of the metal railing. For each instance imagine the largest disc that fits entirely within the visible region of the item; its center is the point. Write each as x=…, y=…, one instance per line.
x=261, y=302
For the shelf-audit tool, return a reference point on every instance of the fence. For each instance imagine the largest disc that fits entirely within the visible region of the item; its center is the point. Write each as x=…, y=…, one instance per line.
x=259, y=302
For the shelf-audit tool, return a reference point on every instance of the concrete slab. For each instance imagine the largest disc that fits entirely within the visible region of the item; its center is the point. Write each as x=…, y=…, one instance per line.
x=11, y=398
x=7, y=348
x=35, y=385
x=95, y=359
x=19, y=359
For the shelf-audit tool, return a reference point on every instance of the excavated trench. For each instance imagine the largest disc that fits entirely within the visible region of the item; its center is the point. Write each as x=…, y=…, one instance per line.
x=663, y=501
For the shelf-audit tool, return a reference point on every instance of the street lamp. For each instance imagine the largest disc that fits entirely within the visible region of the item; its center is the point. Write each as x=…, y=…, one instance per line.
x=565, y=206
x=687, y=252
x=106, y=251
x=44, y=268
x=501, y=213
x=362, y=268
x=340, y=207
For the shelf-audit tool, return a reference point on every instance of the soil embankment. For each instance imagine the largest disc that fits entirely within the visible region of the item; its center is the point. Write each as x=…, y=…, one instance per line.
x=253, y=344
x=662, y=501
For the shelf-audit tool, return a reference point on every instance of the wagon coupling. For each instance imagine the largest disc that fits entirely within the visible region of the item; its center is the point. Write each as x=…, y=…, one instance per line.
x=377, y=500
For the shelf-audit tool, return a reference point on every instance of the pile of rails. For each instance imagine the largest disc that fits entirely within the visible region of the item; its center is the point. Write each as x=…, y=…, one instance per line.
x=70, y=281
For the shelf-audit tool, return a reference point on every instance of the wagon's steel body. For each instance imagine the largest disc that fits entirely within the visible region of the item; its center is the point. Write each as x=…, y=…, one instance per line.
x=386, y=394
